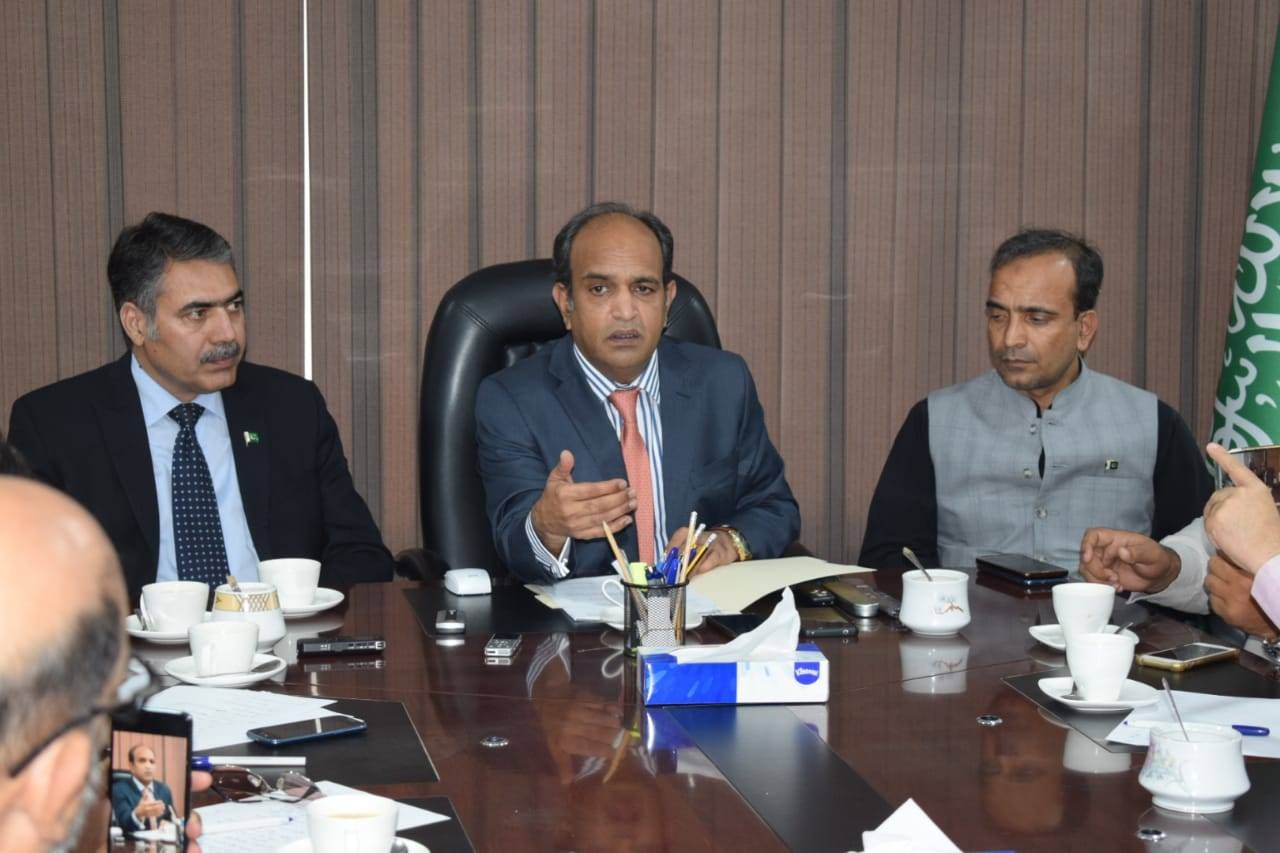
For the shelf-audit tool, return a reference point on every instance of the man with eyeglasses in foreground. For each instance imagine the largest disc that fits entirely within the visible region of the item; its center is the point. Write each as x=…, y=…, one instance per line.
x=63, y=608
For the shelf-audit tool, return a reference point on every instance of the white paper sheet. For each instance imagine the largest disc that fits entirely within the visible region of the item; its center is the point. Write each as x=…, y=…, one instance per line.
x=274, y=837
x=1135, y=729
x=220, y=716
x=733, y=587
x=908, y=830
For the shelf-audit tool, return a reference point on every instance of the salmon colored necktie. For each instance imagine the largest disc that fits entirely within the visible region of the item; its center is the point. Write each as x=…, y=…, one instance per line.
x=636, y=459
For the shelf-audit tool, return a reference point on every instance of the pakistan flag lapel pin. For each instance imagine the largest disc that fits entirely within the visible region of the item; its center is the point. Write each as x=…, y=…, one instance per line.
x=250, y=438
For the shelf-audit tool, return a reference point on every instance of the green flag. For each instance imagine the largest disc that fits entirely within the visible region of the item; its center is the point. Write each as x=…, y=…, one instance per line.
x=1246, y=412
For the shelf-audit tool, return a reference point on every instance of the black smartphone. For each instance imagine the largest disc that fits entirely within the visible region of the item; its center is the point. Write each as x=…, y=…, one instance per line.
x=733, y=624
x=150, y=790
x=1181, y=658
x=305, y=730
x=1022, y=570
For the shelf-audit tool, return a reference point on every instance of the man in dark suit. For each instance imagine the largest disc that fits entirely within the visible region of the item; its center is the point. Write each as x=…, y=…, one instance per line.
x=196, y=462
x=142, y=801
x=615, y=425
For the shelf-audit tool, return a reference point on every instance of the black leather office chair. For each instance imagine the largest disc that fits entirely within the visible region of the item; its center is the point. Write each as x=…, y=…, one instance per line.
x=490, y=320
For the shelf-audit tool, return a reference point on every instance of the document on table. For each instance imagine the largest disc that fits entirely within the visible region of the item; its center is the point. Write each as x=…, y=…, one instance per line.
x=725, y=590
x=1135, y=729
x=253, y=827
x=220, y=716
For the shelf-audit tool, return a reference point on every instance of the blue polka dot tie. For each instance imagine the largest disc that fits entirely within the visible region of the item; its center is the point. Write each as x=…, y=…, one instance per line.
x=197, y=530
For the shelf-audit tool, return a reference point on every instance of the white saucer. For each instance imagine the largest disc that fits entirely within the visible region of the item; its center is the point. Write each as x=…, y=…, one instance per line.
x=324, y=599
x=1134, y=694
x=303, y=845
x=691, y=621
x=1051, y=635
x=184, y=669
x=164, y=638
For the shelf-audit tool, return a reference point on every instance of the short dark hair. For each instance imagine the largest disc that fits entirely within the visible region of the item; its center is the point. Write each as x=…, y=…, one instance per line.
x=144, y=251
x=64, y=678
x=563, y=244
x=1084, y=258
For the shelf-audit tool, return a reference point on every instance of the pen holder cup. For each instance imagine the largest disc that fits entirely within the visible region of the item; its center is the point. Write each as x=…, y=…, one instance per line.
x=653, y=616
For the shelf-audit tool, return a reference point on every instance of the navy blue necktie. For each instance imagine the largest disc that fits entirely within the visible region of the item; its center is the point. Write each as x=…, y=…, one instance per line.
x=197, y=531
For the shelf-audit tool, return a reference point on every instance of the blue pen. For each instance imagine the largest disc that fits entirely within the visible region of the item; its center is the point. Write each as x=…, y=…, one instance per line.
x=670, y=566
x=201, y=762
x=1251, y=731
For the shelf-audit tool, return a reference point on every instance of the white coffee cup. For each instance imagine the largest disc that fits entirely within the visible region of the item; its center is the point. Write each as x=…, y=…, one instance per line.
x=254, y=602
x=352, y=823
x=173, y=606
x=222, y=648
x=1082, y=608
x=1204, y=774
x=1100, y=663
x=295, y=579
x=937, y=607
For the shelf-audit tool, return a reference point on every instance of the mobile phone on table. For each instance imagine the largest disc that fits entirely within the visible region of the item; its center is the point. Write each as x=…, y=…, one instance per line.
x=733, y=624
x=151, y=750
x=502, y=645
x=1189, y=656
x=305, y=730
x=1022, y=570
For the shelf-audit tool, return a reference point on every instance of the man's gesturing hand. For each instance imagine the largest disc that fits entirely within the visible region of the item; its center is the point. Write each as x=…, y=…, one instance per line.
x=575, y=510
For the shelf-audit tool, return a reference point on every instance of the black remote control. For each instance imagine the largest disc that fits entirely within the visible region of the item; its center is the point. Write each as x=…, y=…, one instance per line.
x=340, y=645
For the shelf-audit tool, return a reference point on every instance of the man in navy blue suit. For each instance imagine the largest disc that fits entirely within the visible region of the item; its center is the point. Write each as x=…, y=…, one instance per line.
x=142, y=801
x=615, y=425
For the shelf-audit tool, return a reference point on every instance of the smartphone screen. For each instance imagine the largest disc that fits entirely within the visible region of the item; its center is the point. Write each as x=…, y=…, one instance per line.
x=1190, y=652
x=150, y=784
x=304, y=730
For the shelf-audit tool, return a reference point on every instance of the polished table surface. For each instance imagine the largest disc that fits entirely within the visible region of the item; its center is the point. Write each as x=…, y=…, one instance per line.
x=586, y=768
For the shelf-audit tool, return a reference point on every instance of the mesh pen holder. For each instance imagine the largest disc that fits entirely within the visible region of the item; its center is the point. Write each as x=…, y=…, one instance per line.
x=653, y=616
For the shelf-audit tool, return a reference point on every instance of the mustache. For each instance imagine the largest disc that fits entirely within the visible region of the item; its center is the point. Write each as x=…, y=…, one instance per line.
x=1012, y=354
x=221, y=352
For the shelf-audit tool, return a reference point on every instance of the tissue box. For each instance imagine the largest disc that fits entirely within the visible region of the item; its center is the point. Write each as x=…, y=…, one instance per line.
x=799, y=677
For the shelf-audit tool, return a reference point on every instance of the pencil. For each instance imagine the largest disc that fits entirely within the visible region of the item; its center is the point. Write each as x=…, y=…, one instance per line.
x=698, y=557
x=690, y=540
x=613, y=543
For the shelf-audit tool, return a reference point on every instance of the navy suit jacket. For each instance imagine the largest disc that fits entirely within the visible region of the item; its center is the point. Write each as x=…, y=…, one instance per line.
x=717, y=457
x=125, y=796
x=86, y=436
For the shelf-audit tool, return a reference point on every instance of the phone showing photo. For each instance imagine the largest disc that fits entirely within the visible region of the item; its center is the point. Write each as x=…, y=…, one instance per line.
x=150, y=785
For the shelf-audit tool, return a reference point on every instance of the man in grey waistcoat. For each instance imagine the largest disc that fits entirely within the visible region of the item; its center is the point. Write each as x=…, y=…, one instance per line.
x=1027, y=456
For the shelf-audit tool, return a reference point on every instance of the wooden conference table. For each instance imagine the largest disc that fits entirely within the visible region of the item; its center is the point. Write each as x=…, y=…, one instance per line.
x=581, y=766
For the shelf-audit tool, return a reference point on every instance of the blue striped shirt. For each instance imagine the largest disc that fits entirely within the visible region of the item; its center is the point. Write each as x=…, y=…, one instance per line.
x=649, y=414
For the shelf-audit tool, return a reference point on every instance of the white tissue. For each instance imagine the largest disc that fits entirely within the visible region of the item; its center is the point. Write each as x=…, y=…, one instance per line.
x=776, y=637
x=908, y=830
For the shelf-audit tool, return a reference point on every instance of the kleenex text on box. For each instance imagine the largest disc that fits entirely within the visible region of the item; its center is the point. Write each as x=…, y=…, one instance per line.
x=801, y=677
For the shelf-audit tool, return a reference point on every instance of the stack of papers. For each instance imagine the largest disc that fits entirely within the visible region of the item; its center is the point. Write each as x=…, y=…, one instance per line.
x=220, y=716
x=252, y=827
x=1135, y=729
x=725, y=590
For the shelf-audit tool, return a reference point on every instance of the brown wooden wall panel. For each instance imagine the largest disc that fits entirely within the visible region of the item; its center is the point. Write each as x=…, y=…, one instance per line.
x=504, y=102
x=749, y=295
x=623, y=104
x=836, y=174
x=809, y=111
x=870, y=248
x=562, y=116
x=269, y=252
x=686, y=131
x=1115, y=172
x=28, y=323
x=1171, y=199
x=80, y=232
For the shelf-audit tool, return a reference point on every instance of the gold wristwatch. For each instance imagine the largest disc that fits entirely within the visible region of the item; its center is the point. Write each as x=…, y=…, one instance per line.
x=739, y=543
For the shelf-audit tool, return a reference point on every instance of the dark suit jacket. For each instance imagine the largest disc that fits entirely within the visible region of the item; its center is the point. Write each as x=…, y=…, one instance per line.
x=86, y=436
x=717, y=458
x=125, y=796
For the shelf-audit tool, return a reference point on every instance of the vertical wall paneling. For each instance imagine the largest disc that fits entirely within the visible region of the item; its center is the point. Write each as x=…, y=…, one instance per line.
x=1115, y=173
x=808, y=114
x=504, y=102
x=562, y=114
x=269, y=250
x=623, y=104
x=686, y=134
x=148, y=121
x=749, y=289
x=28, y=323
x=1170, y=203
x=870, y=248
